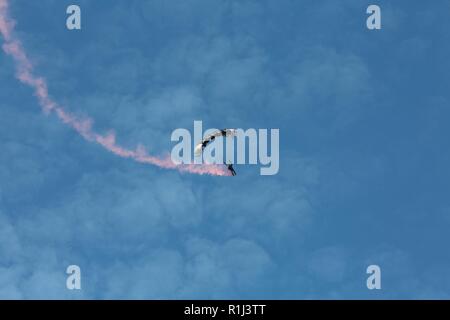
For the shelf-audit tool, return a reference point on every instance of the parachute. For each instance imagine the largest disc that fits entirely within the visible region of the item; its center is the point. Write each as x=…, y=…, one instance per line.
x=209, y=138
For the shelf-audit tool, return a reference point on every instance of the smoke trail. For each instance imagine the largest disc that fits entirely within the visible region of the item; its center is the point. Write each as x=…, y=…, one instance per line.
x=24, y=72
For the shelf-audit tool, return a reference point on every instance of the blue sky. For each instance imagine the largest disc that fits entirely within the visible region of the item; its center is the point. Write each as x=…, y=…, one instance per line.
x=363, y=118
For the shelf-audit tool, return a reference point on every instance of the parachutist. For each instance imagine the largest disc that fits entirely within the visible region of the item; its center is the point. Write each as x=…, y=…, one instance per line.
x=210, y=138
x=230, y=168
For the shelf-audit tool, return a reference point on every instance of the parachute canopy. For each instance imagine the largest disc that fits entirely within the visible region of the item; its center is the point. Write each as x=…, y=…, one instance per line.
x=209, y=138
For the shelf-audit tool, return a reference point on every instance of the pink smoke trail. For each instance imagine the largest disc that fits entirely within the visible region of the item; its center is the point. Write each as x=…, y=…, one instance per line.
x=24, y=72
